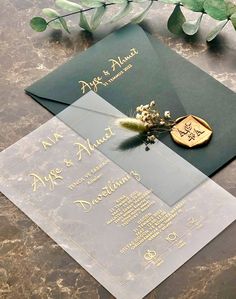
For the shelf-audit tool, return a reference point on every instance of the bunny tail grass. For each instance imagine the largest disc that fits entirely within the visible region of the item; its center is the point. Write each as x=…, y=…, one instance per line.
x=131, y=124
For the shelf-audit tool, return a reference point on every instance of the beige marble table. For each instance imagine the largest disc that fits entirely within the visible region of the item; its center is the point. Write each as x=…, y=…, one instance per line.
x=31, y=264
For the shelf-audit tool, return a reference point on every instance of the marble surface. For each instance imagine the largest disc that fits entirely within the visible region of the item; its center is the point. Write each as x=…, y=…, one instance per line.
x=31, y=264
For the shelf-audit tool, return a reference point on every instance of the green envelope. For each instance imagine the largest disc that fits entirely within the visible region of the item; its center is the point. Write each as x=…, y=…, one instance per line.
x=128, y=68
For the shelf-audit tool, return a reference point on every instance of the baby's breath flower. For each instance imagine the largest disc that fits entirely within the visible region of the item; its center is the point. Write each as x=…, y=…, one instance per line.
x=151, y=138
x=167, y=114
x=153, y=116
x=144, y=118
x=162, y=122
x=152, y=103
x=155, y=119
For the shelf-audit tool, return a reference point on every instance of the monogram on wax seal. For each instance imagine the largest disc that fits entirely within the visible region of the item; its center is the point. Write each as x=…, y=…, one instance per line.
x=191, y=131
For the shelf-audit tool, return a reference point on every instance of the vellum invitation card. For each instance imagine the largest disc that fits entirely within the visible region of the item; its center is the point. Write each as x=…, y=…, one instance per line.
x=128, y=216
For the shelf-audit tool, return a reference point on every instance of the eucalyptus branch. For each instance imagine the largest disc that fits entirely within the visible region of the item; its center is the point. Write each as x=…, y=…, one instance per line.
x=91, y=8
x=80, y=11
x=221, y=10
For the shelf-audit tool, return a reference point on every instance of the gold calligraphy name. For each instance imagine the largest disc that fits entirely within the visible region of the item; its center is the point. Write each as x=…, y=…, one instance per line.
x=88, y=147
x=119, y=61
x=107, y=190
x=107, y=75
x=46, y=181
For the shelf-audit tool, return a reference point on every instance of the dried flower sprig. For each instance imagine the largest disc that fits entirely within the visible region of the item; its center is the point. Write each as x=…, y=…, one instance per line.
x=148, y=120
x=132, y=124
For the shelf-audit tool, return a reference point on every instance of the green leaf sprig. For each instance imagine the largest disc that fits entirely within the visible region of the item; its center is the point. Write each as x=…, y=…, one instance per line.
x=223, y=11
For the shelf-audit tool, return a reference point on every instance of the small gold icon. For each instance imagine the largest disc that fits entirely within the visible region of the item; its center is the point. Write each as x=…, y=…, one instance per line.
x=191, y=131
x=150, y=255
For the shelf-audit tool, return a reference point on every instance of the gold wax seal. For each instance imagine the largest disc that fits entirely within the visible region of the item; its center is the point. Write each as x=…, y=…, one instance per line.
x=191, y=131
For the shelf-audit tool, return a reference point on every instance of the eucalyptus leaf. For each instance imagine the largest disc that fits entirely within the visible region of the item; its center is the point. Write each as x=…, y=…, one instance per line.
x=56, y=24
x=139, y=1
x=217, y=9
x=117, y=1
x=38, y=24
x=64, y=24
x=137, y=19
x=59, y=23
x=191, y=27
x=83, y=23
x=176, y=21
x=194, y=5
x=124, y=11
x=233, y=20
x=68, y=5
x=216, y=30
x=91, y=3
x=97, y=17
x=171, y=1
x=230, y=7
x=51, y=13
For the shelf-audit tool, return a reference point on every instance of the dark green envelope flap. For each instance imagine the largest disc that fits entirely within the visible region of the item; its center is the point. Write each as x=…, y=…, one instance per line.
x=184, y=85
x=135, y=87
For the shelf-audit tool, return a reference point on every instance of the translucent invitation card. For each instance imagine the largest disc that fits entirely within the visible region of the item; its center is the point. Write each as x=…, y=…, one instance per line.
x=130, y=217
